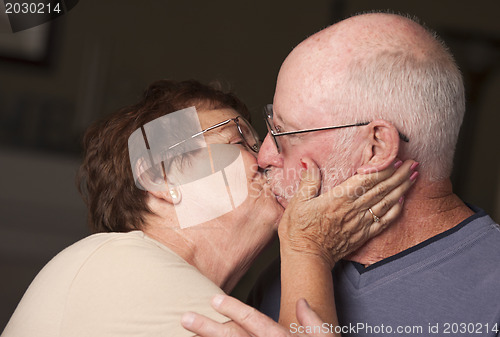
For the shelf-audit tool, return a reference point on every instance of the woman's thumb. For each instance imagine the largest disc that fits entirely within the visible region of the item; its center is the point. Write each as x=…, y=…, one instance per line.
x=310, y=180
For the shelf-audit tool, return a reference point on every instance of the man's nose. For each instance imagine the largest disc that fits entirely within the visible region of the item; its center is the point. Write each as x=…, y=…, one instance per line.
x=268, y=154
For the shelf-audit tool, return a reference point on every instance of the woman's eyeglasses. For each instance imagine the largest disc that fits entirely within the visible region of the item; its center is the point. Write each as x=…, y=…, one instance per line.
x=247, y=133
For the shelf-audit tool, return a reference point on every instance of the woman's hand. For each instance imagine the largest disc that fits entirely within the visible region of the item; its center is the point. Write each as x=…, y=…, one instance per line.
x=247, y=321
x=338, y=222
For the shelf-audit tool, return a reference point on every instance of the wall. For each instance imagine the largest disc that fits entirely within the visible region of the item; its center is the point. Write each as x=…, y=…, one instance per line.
x=106, y=52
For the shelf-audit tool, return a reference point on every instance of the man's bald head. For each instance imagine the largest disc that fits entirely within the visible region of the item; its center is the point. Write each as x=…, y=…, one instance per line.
x=380, y=66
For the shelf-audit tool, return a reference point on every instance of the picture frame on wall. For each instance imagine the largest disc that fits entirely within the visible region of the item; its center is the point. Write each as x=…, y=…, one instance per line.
x=31, y=46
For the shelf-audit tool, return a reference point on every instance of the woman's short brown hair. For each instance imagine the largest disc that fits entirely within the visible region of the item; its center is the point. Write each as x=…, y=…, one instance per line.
x=105, y=177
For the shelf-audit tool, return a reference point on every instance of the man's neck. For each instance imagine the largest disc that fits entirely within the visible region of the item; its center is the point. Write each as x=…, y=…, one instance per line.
x=429, y=209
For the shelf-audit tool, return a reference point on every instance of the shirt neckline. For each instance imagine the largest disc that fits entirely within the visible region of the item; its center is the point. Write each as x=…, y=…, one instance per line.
x=479, y=213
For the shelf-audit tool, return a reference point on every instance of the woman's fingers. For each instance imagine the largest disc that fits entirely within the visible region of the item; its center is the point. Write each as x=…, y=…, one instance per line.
x=359, y=184
x=393, y=197
x=385, y=208
x=389, y=207
x=388, y=217
x=387, y=186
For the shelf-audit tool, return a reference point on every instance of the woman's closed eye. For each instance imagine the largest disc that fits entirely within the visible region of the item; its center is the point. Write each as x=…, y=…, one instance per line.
x=237, y=141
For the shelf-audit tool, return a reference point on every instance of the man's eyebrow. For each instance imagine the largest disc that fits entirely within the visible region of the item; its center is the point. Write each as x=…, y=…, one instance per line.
x=284, y=125
x=279, y=121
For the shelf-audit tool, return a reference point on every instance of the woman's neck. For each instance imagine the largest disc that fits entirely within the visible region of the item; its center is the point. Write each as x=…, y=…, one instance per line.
x=216, y=257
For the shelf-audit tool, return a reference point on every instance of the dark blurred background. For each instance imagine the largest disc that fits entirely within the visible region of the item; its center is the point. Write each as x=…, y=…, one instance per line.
x=57, y=78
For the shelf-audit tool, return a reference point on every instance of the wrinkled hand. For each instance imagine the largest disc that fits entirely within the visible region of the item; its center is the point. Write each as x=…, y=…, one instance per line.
x=247, y=321
x=338, y=222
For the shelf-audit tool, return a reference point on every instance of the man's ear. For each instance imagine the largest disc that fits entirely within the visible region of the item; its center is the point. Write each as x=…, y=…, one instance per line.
x=382, y=146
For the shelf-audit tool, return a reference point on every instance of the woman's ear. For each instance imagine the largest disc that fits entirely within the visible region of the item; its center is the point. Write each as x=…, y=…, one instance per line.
x=155, y=184
x=382, y=146
x=172, y=195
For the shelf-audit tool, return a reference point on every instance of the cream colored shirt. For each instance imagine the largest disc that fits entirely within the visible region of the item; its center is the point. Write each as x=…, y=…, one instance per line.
x=113, y=284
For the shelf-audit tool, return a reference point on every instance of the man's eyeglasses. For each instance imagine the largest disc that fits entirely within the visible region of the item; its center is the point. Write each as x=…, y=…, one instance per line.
x=247, y=133
x=275, y=131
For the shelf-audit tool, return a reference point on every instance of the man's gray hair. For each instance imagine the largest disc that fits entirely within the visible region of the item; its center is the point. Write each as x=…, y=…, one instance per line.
x=419, y=90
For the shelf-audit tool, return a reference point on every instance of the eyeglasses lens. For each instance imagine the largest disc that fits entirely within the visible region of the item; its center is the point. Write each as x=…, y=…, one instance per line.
x=249, y=134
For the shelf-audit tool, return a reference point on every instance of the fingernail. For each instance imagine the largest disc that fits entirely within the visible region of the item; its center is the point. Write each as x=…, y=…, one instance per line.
x=414, y=176
x=398, y=164
x=217, y=300
x=402, y=199
x=304, y=165
x=187, y=319
x=414, y=166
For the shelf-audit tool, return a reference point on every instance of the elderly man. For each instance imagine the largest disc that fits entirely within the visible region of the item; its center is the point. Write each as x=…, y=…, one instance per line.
x=386, y=80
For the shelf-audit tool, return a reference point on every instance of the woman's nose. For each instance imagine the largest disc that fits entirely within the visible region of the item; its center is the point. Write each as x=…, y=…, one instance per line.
x=268, y=154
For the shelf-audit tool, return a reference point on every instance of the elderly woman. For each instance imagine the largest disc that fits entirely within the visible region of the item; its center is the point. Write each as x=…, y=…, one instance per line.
x=180, y=211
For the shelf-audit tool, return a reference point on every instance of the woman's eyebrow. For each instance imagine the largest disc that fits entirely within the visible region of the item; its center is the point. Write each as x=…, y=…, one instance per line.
x=222, y=130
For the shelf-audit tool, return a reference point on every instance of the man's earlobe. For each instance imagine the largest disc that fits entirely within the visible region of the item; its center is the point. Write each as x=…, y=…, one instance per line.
x=382, y=147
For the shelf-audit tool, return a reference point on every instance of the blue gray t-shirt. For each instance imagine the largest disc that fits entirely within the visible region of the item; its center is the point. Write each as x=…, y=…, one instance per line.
x=448, y=285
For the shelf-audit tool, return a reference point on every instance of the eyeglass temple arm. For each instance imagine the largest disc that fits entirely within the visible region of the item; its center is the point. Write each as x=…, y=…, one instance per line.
x=401, y=136
x=316, y=129
x=200, y=133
